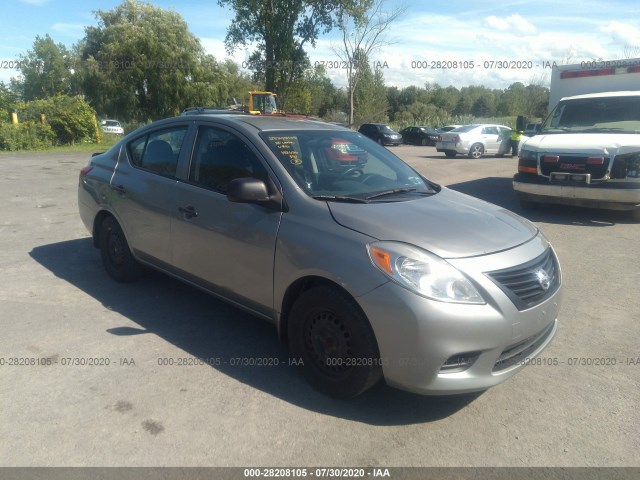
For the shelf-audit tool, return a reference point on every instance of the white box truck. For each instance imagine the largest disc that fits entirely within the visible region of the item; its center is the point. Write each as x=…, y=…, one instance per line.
x=587, y=151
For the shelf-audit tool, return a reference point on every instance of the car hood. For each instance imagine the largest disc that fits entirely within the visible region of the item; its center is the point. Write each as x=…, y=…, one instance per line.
x=449, y=224
x=588, y=143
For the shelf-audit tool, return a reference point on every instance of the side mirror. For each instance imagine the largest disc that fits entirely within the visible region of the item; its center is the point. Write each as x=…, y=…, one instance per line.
x=248, y=190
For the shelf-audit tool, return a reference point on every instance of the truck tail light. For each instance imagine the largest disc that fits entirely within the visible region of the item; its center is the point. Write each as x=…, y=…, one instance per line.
x=456, y=139
x=595, y=161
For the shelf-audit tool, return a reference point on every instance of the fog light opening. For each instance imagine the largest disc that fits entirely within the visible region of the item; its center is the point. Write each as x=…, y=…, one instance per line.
x=459, y=362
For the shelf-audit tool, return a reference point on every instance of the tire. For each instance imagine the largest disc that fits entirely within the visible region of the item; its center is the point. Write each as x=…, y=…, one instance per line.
x=380, y=142
x=424, y=142
x=450, y=153
x=635, y=214
x=329, y=332
x=476, y=150
x=116, y=255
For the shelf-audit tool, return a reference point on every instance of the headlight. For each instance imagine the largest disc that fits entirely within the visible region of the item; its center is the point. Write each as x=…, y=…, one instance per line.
x=423, y=273
x=526, y=154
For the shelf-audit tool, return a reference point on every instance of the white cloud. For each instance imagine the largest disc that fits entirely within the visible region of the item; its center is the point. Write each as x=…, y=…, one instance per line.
x=35, y=2
x=497, y=23
x=622, y=33
x=513, y=23
x=73, y=30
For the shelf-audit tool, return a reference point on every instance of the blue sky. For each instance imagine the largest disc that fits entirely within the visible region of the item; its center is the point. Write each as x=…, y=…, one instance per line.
x=529, y=32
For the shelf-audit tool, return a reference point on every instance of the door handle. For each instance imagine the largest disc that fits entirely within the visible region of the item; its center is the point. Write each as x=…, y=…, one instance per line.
x=189, y=211
x=119, y=188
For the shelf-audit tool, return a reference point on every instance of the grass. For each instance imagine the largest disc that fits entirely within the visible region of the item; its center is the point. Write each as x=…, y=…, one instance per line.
x=107, y=142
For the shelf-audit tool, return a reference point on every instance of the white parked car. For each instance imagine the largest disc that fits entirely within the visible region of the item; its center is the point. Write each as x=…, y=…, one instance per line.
x=475, y=140
x=112, y=126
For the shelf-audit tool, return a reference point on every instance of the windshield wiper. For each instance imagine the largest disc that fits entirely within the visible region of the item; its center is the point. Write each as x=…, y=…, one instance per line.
x=395, y=190
x=340, y=198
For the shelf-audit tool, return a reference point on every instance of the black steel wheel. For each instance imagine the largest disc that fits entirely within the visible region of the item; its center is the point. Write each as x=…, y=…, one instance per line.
x=115, y=253
x=332, y=336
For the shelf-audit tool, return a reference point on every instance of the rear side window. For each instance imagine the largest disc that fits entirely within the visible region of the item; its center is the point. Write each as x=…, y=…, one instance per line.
x=158, y=151
x=490, y=130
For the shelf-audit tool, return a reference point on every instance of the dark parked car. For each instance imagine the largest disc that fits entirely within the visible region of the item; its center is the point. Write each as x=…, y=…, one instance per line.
x=421, y=135
x=381, y=133
x=367, y=269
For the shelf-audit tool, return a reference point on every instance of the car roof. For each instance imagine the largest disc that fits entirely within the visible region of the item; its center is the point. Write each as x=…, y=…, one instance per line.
x=261, y=123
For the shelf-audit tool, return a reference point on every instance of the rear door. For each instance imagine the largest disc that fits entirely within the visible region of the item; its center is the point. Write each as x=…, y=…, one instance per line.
x=143, y=190
x=491, y=139
x=223, y=246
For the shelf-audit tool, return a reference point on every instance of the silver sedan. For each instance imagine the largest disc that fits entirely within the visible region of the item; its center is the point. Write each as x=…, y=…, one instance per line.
x=475, y=140
x=366, y=268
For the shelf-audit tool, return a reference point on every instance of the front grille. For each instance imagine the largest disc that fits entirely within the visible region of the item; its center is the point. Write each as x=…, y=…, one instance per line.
x=574, y=164
x=530, y=283
x=522, y=350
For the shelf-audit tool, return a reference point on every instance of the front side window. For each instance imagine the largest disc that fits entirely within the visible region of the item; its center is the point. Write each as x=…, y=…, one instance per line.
x=220, y=157
x=335, y=165
x=158, y=151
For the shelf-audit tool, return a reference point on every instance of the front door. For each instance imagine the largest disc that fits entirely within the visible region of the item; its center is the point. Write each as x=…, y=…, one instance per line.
x=224, y=246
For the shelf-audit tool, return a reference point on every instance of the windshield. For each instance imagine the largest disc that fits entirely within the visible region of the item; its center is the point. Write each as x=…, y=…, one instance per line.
x=385, y=129
x=595, y=115
x=345, y=166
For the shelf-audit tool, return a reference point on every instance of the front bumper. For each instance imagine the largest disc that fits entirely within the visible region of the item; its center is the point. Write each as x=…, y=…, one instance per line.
x=418, y=336
x=623, y=194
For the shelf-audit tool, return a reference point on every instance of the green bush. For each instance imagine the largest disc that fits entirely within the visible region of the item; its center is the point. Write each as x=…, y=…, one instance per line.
x=25, y=136
x=71, y=118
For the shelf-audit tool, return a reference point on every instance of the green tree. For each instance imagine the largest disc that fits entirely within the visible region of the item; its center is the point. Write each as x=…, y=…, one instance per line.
x=370, y=99
x=281, y=30
x=363, y=28
x=46, y=70
x=141, y=63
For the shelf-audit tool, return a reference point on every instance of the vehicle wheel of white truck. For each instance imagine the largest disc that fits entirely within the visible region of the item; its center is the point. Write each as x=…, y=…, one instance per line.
x=335, y=341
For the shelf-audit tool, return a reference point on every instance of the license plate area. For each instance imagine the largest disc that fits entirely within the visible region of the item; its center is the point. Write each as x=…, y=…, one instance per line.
x=566, y=177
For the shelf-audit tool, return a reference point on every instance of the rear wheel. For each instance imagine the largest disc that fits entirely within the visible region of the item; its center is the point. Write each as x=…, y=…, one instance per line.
x=450, y=153
x=476, y=150
x=331, y=335
x=116, y=255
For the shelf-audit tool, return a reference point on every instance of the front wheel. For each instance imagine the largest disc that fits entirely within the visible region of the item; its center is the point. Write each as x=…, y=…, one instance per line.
x=476, y=150
x=116, y=255
x=424, y=142
x=331, y=335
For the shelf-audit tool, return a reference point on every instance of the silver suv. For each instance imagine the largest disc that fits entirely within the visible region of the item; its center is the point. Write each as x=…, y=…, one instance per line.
x=366, y=268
